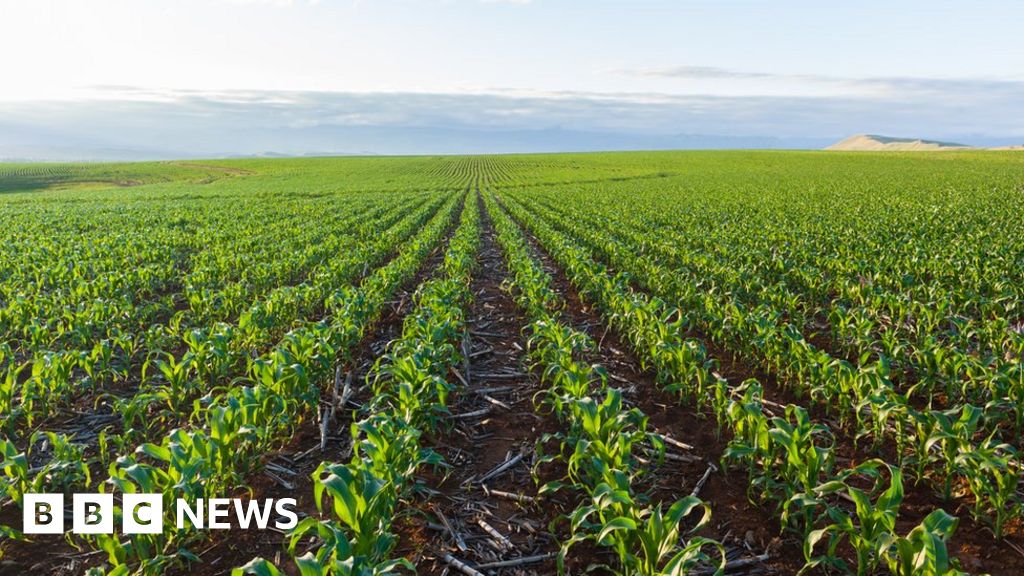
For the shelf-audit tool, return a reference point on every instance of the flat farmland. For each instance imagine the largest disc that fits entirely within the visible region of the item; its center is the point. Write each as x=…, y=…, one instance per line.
x=622, y=363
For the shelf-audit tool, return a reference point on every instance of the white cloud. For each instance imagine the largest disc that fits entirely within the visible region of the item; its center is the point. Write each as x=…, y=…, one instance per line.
x=868, y=86
x=960, y=111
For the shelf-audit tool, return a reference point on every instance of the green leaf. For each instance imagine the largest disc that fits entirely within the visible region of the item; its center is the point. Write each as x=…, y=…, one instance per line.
x=257, y=567
x=616, y=524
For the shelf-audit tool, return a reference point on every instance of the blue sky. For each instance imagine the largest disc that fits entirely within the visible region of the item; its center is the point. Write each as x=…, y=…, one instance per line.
x=798, y=71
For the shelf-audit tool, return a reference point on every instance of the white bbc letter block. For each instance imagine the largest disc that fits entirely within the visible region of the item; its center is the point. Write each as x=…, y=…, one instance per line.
x=43, y=514
x=93, y=513
x=143, y=514
x=218, y=508
x=285, y=508
x=183, y=511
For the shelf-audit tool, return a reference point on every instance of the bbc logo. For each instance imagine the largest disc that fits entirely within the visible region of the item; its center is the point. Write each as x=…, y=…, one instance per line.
x=93, y=514
x=144, y=514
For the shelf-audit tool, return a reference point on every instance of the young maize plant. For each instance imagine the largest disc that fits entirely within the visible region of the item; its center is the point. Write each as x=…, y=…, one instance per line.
x=65, y=466
x=870, y=530
x=598, y=443
x=784, y=457
x=410, y=392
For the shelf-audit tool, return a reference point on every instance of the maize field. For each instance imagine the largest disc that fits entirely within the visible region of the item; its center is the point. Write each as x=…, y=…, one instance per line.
x=646, y=364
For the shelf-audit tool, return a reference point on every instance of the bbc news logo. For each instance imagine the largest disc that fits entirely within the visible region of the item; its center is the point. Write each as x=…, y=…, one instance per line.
x=144, y=514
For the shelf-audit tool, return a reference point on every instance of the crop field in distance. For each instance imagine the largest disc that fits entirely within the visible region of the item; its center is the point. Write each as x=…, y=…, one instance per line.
x=617, y=363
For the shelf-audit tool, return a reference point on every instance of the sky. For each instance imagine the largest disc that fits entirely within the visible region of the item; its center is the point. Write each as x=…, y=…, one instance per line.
x=221, y=77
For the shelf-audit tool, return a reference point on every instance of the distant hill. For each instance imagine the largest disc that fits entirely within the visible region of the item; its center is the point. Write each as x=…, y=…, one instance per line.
x=875, y=142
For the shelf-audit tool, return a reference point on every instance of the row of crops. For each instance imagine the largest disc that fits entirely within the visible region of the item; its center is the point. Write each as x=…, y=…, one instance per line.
x=188, y=338
x=849, y=326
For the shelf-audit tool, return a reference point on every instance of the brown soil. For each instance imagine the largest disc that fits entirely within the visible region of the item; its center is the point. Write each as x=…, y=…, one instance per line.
x=474, y=446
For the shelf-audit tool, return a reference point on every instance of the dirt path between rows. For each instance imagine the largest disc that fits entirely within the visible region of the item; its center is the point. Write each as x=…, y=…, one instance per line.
x=490, y=446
